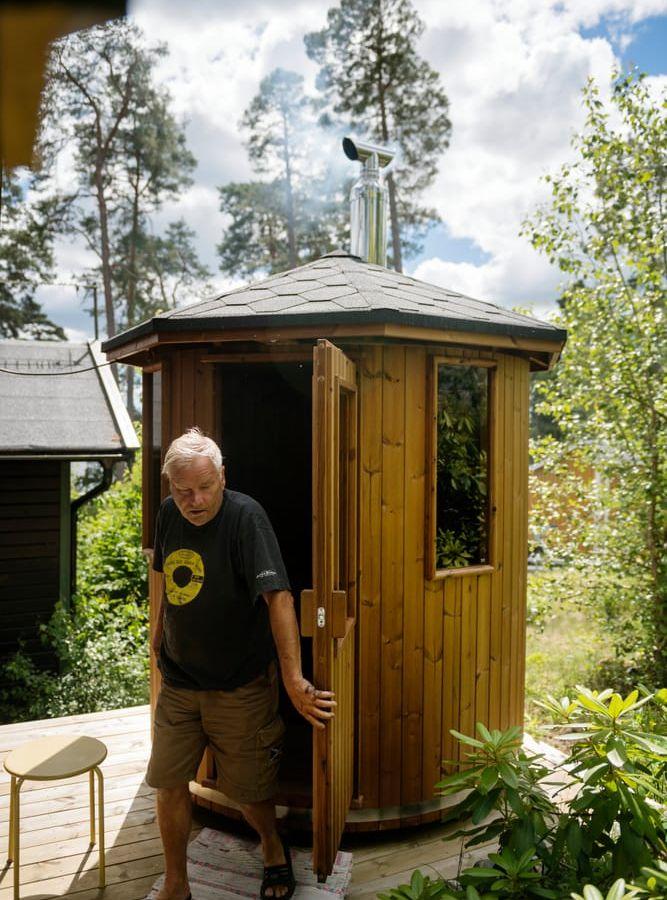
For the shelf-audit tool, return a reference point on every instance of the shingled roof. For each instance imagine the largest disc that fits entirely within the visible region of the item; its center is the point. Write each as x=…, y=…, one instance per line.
x=343, y=289
x=59, y=400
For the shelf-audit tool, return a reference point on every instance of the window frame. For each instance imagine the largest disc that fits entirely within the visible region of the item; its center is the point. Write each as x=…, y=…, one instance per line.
x=433, y=573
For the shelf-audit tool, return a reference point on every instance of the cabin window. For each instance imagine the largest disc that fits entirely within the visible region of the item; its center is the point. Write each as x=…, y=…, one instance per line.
x=460, y=529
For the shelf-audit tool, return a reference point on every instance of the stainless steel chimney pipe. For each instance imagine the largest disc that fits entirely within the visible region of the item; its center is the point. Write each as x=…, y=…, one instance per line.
x=368, y=201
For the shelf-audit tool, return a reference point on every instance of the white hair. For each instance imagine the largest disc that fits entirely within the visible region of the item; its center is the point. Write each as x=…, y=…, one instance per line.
x=189, y=446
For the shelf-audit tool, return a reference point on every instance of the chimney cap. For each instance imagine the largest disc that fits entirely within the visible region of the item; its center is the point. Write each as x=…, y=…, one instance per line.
x=361, y=151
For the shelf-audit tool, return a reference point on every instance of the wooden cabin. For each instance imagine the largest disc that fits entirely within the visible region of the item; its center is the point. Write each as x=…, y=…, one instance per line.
x=328, y=388
x=59, y=404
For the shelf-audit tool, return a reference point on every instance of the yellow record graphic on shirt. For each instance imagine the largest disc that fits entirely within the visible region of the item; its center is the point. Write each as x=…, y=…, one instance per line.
x=184, y=576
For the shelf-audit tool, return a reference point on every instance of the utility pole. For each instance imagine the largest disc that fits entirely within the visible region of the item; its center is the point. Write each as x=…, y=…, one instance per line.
x=97, y=328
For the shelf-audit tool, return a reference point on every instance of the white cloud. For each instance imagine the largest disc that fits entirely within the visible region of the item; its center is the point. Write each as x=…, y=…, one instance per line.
x=513, y=70
x=517, y=276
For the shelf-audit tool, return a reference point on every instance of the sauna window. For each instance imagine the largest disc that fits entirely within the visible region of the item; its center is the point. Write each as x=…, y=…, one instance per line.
x=461, y=519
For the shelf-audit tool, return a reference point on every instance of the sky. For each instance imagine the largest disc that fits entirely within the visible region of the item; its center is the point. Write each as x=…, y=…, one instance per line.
x=513, y=71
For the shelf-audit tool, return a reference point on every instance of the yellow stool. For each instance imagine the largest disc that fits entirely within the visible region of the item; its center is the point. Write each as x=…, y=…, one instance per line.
x=50, y=759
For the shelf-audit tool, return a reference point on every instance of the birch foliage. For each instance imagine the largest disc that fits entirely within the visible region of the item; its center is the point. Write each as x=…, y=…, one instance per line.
x=605, y=228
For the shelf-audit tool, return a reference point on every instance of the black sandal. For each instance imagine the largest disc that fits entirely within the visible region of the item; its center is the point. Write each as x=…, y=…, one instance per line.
x=279, y=876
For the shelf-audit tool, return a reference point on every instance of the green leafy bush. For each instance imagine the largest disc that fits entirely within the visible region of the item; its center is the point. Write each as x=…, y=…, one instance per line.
x=617, y=819
x=421, y=888
x=652, y=885
x=103, y=656
x=110, y=561
x=602, y=819
x=101, y=643
x=502, y=779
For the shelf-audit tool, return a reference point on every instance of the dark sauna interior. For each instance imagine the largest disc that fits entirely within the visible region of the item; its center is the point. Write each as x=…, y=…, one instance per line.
x=266, y=443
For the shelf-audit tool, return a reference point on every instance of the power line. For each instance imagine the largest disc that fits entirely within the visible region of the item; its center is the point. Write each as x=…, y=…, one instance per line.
x=55, y=374
x=86, y=285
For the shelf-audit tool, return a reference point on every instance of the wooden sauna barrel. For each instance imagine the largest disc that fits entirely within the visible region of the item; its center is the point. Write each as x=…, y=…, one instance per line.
x=434, y=650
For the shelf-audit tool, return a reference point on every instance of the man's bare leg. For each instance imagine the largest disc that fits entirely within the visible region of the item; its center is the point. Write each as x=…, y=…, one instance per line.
x=174, y=816
x=262, y=817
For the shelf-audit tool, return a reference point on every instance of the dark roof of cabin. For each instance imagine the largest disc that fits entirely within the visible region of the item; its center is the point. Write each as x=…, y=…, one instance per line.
x=343, y=289
x=45, y=412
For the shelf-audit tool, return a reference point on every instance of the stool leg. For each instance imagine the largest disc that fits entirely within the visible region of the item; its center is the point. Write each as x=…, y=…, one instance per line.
x=10, y=848
x=100, y=810
x=91, y=781
x=16, y=838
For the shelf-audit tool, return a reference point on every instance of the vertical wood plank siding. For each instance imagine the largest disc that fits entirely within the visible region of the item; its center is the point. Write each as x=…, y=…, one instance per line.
x=450, y=651
x=413, y=603
x=497, y=523
x=370, y=555
x=189, y=397
x=521, y=477
x=505, y=562
x=30, y=536
x=393, y=517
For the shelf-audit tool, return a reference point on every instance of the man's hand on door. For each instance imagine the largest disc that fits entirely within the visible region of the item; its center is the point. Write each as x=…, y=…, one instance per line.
x=318, y=707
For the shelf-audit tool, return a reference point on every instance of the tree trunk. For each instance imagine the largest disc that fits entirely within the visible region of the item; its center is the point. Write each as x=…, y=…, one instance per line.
x=129, y=375
x=289, y=200
x=656, y=556
x=393, y=206
x=395, y=233
x=132, y=282
x=105, y=252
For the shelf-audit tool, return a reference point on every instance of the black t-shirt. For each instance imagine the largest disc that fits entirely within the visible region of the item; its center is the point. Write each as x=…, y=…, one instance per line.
x=217, y=634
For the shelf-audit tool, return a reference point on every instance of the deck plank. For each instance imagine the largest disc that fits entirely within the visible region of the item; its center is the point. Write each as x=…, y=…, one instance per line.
x=57, y=861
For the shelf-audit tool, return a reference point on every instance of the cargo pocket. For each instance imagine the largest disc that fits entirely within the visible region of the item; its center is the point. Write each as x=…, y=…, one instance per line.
x=269, y=748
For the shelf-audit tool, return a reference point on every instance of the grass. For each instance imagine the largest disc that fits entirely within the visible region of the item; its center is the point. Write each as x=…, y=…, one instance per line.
x=583, y=628
x=562, y=653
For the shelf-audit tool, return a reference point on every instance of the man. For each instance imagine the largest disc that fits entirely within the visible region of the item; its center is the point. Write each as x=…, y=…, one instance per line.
x=228, y=603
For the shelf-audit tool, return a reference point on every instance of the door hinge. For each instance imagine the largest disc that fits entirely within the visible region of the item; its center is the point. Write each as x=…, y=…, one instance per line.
x=321, y=617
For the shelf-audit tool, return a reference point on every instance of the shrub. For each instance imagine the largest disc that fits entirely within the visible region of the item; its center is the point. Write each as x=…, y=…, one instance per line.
x=110, y=561
x=103, y=657
x=608, y=828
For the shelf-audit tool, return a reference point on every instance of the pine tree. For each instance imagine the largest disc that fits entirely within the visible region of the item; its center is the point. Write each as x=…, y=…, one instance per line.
x=294, y=216
x=130, y=155
x=256, y=240
x=26, y=261
x=101, y=104
x=158, y=167
x=166, y=270
x=373, y=78
x=274, y=121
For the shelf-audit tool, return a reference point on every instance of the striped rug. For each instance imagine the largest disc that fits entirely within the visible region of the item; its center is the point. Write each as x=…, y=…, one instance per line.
x=225, y=867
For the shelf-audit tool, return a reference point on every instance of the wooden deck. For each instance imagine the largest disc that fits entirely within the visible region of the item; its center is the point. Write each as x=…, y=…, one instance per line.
x=55, y=857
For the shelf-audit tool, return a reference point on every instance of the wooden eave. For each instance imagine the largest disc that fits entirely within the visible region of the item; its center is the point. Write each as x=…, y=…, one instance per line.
x=145, y=351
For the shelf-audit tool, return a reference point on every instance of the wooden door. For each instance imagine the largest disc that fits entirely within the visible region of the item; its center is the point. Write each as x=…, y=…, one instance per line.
x=329, y=610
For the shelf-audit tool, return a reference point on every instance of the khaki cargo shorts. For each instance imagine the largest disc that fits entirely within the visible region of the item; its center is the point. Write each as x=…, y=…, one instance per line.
x=242, y=727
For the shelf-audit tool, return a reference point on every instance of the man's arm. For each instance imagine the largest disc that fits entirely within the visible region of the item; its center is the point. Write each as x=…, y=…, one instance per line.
x=315, y=706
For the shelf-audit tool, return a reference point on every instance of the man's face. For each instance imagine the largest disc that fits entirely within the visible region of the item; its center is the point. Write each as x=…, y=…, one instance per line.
x=197, y=490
